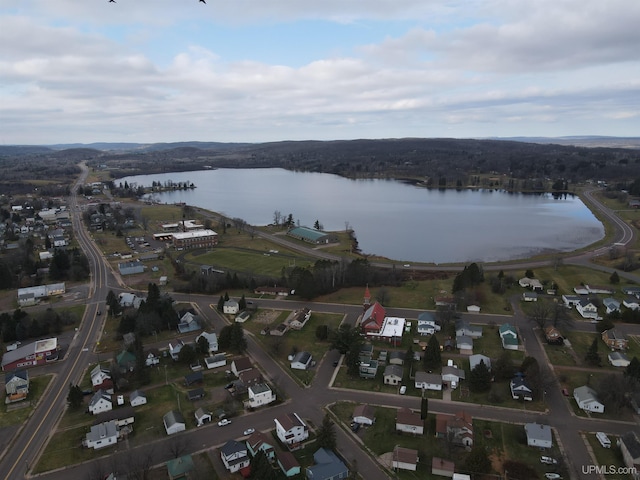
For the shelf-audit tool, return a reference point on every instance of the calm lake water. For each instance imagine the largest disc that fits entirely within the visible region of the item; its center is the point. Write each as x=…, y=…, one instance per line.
x=393, y=219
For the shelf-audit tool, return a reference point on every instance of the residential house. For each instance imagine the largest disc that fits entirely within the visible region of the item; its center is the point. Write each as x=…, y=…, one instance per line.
x=463, y=327
x=451, y=375
x=532, y=283
x=217, y=360
x=180, y=468
x=509, y=337
x=122, y=416
x=464, y=343
x=553, y=336
x=428, y=381
x=152, y=357
x=615, y=339
x=372, y=319
x=393, y=375
x=100, y=402
x=404, y=459
x=631, y=302
x=611, y=305
x=101, y=378
x=202, y=416
x=126, y=361
x=212, y=341
x=587, y=399
x=251, y=377
x=618, y=359
x=520, y=390
x=473, y=308
x=266, y=290
x=129, y=300
x=137, y=398
x=630, y=448
x=409, y=422
x=327, y=466
x=243, y=316
x=300, y=318
x=635, y=291
x=231, y=307
x=396, y=358
x=427, y=324
x=538, y=435
x=288, y=464
x=259, y=442
x=234, y=456
x=241, y=364
x=291, y=430
x=364, y=414
x=101, y=435
x=460, y=429
x=301, y=361
x=600, y=289
x=368, y=368
x=530, y=296
x=259, y=395
x=189, y=322
x=587, y=309
x=16, y=385
x=581, y=290
x=173, y=422
x=570, y=301
x=131, y=268
x=442, y=467
x=174, y=348
x=474, y=361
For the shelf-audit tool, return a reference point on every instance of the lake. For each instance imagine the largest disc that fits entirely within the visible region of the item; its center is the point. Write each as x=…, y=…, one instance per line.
x=394, y=219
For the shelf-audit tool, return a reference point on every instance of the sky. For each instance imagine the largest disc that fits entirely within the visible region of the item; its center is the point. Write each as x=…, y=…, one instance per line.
x=269, y=70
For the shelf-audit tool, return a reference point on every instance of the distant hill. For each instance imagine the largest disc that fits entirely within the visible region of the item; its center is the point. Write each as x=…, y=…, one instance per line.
x=590, y=141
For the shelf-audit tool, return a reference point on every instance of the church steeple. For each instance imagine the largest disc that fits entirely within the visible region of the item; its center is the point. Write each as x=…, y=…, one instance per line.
x=367, y=298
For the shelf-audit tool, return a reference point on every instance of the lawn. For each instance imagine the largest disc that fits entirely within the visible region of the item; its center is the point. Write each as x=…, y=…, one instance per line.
x=18, y=413
x=65, y=448
x=605, y=456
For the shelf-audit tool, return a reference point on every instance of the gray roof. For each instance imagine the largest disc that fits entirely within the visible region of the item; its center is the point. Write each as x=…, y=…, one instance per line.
x=102, y=430
x=630, y=441
x=231, y=447
x=536, y=431
x=173, y=417
x=302, y=357
x=99, y=395
x=585, y=394
x=424, y=377
x=396, y=370
x=328, y=465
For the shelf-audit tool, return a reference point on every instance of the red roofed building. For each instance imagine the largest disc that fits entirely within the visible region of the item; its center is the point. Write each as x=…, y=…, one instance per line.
x=372, y=319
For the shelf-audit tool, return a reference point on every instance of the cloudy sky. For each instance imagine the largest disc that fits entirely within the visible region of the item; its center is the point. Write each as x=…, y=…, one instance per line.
x=268, y=70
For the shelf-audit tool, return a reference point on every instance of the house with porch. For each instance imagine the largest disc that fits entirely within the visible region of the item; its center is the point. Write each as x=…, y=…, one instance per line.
x=427, y=324
x=587, y=399
x=428, y=381
x=409, y=422
x=538, y=435
x=16, y=385
x=234, y=456
x=587, y=309
x=615, y=339
x=101, y=435
x=393, y=375
x=259, y=395
x=100, y=402
x=291, y=430
x=259, y=442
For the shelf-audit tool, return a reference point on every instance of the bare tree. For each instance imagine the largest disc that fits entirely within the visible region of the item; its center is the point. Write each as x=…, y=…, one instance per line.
x=178, y=446
x=277, y=217
x=541, y=313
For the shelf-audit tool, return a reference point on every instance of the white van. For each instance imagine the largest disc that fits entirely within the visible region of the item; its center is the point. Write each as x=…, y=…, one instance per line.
x=603, y=439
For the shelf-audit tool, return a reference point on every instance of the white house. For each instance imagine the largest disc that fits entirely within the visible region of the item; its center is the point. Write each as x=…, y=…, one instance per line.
x=99, y=375
x=217, y=360
x=538, y=435
x=631, y=302
x=520, y=389
x=100, y=402
x=473, y=308
x=234, y=455
x=231, y=307
x=290, y=429
x=174, y=348
x=464, y=328
x=532, y=283
x=137, y=398
x=530, y=296
x=570, y=300
x=301, y=361
x=474, y=361
x=587, y=309
x=364, y=414
x=428, y=381
x=452, y=375
x=587, y=399
x=618, y=359
x=464, y=343
x=509, y=337
x=174, y=422
x=393, y=375
x=152, y=358
x=405, y=459
x=260, y=394
x=102, y=435
x=427, y=324
x=212, y=340
x=409, y=422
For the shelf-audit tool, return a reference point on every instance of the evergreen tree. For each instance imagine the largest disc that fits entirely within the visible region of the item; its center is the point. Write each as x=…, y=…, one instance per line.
x=480, y=378
x=187, y=354
x=326, y=436
x=424, y=407
x=202, y=346
x=242, y=304
x=503, y=368
x=261, y=467
x=632, y=371
x=226, y=296
x=221, y=303
x=224, y=338
x=593, y=357
x=75, y=396
x=432, y=356
x=614, y=278
x=477, y=462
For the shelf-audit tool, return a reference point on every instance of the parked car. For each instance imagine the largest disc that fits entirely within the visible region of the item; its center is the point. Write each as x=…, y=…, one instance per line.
x=13, y=346
x=552, y=476
x=403, y=389
x=224, y=422
x=548, y=460
x=565, y=392
x=249, y=431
